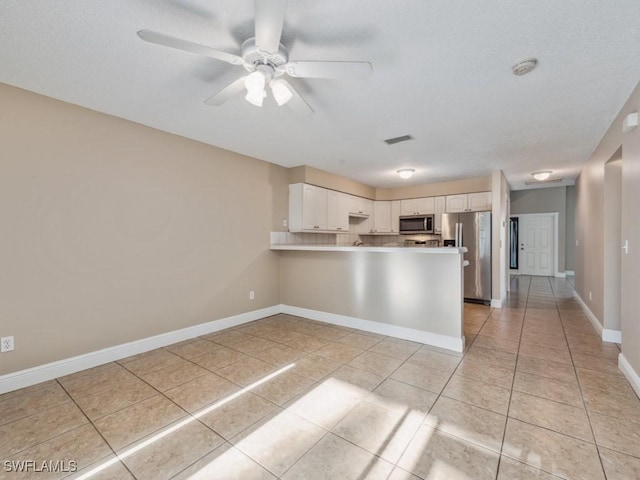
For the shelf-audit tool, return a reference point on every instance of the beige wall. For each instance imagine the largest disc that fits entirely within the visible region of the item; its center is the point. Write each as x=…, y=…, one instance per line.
x=114, y=232
x=612, y=241
x=589, y=263
x=468, y=185
x=545, y=200
x=499, y=243
x=570, y=230
x=320, y=178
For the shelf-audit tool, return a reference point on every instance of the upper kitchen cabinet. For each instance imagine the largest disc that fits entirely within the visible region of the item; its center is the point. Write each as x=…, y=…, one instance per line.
x=307, y=208
x=337, y=211
x=382, y=217
x=359, y=207
x=417, y=206
x=395, y=216
x=468, y=202
x=440, y=208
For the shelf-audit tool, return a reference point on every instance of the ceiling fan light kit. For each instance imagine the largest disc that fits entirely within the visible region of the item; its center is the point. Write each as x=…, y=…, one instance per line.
x=280, y=91
x=265, y=59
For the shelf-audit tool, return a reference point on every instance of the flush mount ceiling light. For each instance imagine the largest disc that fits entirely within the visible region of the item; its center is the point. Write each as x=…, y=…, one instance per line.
x=406, y=172
x=542, y=175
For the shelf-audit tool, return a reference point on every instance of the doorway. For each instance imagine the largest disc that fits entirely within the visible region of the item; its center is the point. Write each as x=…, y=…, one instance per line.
x=536, y=244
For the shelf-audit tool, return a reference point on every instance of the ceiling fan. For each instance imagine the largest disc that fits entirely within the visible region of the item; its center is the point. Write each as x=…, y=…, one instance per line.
x=265, y=60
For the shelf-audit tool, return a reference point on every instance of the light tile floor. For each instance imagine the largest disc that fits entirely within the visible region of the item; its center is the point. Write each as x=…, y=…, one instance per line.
x=536, y=395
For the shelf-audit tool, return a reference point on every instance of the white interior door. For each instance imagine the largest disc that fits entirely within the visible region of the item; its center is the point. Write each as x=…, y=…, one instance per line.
x=536, y=245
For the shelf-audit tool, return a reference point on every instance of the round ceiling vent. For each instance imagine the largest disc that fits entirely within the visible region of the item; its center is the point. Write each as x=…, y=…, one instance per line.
x=525, y=67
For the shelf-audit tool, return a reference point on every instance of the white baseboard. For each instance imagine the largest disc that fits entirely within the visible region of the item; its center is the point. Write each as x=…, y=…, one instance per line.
x=630, y=373
x=434, y=339
x=497, y=303
x=594, y=321
x=49, y=371
x=560, y=274
x=570, y=273
x=613, y=336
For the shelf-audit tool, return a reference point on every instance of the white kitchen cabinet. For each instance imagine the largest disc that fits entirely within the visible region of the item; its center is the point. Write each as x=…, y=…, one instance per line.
x=359, y=206
x=307, y=208
x=337, y=211
x=439, y=208
x=395, y=216
x=417, y=206
x=382, y=217
x=479, y=202
x=316, y=209
x=365, y=225
x=468, y=202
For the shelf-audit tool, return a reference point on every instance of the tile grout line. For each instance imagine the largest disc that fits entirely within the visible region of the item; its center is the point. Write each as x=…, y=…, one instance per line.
x=584, y=403
x=98, y=432
x=513, y=380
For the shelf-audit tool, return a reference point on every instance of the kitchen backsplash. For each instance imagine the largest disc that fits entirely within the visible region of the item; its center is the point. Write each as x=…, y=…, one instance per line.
x=345, y=239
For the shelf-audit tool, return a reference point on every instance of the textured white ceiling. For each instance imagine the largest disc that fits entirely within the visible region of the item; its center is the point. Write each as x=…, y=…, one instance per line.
x=442, y=73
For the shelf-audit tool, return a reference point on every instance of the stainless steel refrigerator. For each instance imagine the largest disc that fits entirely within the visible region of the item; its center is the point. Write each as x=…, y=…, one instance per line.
x=472, y=230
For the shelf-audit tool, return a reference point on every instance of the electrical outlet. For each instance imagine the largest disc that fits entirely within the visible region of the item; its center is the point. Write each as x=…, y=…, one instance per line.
x=284, y=222
x=590, y=296
x=252, y=295
x=6, y=344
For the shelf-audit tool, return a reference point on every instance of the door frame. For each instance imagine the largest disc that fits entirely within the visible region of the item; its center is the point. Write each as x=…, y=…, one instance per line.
x=556, y=217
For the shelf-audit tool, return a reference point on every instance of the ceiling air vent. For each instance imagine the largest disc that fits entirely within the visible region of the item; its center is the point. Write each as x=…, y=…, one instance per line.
x=542, y=182
x=403, y=138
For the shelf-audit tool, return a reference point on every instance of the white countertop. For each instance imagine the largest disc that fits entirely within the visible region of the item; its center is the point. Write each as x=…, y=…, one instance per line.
x=346, y=248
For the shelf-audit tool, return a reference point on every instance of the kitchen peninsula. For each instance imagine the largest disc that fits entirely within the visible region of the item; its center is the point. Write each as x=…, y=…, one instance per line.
x=409, y=293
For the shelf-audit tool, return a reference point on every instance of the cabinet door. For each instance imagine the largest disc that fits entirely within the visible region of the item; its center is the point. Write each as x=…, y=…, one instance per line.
x=439, y=204
x=456, y=203
x=337, y=211
x=314, y=208
x=477, y=202
x=359, y=205
x=426, y=205
x=395, y=216
x=409, y=206
x=381, y=217
x=365, y=226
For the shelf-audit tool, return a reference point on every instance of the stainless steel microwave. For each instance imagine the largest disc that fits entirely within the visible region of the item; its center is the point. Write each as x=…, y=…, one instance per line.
x=416, y=224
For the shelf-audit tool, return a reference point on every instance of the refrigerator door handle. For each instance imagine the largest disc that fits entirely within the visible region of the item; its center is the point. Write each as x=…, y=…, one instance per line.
x=460, y=235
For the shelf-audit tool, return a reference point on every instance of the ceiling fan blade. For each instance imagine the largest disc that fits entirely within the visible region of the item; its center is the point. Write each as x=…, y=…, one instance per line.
x=356, y=70
x=269, y=22
x=186, y=46
x=231, y=90
x=297, y=103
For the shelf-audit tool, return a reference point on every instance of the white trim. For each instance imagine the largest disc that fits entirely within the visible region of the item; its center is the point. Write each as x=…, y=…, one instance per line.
x=556, y=242
x=434, y=339
x=613, y=336
x=594, y=320
x=569, y=273
x=630, y=373
x=49, y=371
x=497, y=303
x=560, y=274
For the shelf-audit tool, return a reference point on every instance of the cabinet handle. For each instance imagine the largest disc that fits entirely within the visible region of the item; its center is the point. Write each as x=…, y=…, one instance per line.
x=339, y=228
x=316, y=226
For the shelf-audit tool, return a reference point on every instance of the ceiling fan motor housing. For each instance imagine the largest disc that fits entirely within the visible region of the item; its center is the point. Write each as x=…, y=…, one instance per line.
x=253, y=56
